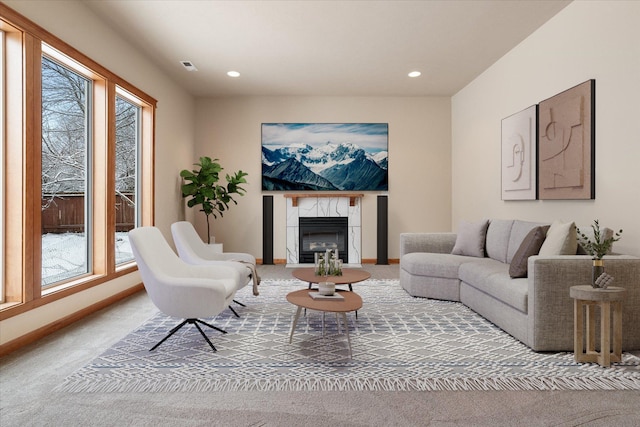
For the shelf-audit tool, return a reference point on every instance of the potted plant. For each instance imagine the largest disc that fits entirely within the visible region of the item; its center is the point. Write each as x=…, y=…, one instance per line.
x=597, y=246
x=203, y=188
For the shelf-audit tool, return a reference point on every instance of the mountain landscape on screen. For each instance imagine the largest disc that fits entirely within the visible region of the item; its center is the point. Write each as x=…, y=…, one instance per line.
x=322, y=157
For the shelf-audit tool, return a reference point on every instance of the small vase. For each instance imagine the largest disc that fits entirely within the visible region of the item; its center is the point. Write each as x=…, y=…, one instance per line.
x=316, y=263
x=596, y=271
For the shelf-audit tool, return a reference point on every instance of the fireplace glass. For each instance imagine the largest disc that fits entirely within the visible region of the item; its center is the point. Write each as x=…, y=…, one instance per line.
x=320, y=234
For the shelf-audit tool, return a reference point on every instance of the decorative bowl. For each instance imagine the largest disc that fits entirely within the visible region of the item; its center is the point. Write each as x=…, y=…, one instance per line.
x=326, y=288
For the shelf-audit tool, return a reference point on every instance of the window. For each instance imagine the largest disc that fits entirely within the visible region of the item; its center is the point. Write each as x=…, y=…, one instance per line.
x=77, y=168
x=128, y=117
x=66, y=116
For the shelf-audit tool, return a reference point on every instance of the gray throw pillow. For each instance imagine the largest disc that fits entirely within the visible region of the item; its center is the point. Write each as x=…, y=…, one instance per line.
x=530, y=246
x=471, y=238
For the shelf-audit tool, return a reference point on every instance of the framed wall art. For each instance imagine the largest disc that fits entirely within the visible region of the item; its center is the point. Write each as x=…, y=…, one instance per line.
x=519, y=144
x=325, y=156
x=566, y=148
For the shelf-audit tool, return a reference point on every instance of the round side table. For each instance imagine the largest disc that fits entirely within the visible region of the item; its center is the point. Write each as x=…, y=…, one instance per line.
x=586, y=298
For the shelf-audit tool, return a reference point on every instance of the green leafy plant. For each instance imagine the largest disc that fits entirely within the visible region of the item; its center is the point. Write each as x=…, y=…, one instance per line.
x=203, y=189
x=597, y=247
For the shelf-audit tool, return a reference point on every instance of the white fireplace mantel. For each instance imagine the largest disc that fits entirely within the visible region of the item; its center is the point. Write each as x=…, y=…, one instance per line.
x=324, y=205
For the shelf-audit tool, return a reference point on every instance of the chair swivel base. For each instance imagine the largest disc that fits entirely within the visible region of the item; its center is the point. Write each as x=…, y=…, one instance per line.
x=195, y=323
x=233, y=311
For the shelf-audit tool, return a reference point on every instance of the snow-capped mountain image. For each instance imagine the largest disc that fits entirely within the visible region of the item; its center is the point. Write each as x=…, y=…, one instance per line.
x=324, y=156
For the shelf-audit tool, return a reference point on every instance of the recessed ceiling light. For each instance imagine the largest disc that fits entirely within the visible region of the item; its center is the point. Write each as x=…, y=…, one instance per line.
x=415, y=74
x=233, y=74
x=189, y=65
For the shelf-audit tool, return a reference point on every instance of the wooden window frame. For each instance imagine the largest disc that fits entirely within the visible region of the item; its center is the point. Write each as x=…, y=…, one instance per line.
x=23, y=239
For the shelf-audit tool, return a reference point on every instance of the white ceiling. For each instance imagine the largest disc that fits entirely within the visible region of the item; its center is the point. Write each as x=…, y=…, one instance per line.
x=337, y=48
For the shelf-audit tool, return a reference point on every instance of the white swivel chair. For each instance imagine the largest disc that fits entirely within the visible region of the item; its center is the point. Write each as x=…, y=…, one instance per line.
x=193, y=250
x=179, y=289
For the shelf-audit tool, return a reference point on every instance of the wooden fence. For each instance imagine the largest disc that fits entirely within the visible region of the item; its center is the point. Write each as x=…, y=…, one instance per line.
x=65, y=214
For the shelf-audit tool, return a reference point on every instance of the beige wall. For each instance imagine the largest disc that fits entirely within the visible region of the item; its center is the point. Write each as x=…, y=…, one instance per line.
x=588, y=39
x=419, y=162
x=76, y=25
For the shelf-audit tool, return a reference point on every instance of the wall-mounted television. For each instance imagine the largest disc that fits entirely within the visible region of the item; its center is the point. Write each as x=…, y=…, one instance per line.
x=325, y=156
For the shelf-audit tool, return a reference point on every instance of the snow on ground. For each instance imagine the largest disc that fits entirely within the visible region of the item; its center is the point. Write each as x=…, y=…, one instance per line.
x=64, y=255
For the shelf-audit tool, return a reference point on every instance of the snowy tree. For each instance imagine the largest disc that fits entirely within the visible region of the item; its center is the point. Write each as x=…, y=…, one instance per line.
x=127, y=120
x=64, y=131
x=65, y=135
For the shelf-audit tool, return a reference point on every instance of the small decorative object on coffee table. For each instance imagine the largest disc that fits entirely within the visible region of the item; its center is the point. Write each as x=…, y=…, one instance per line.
x=586, y=299
x=327, y=263
x=326, y=288
x=598, y=246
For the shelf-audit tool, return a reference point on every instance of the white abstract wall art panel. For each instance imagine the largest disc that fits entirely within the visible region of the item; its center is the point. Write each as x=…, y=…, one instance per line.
x=519, y=146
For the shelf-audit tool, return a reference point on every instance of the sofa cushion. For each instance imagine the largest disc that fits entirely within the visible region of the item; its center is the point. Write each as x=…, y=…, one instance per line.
x=519, y=231
x=470, y=239
x=492, y=278
x=433, y=265
x=498, y=234
x=529, y=246
x=561, y=239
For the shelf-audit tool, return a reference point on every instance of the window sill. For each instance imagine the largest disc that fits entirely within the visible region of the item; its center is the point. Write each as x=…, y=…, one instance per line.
x=64, y=290
x=8, y=305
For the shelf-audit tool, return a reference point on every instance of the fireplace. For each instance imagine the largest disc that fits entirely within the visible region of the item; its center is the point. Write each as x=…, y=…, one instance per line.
x=332, y=207
x=317, y=234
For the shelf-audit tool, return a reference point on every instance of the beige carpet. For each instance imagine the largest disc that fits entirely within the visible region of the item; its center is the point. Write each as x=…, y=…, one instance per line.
x=28, y=376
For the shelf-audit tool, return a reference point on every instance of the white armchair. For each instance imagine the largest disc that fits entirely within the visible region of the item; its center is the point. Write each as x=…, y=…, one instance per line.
x=179, y=289
x=193, y=250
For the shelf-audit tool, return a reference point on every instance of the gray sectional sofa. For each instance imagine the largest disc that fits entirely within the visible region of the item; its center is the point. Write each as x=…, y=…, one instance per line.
x=535, y=309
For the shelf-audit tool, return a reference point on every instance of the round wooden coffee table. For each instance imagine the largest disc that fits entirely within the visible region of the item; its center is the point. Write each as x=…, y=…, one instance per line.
x=349, y=276
x=302, y=299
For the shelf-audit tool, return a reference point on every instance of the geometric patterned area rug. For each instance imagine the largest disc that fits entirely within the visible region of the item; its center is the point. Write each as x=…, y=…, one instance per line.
x=399, y=343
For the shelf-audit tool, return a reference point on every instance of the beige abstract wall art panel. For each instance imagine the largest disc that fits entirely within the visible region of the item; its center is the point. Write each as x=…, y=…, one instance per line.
x=567, y=144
